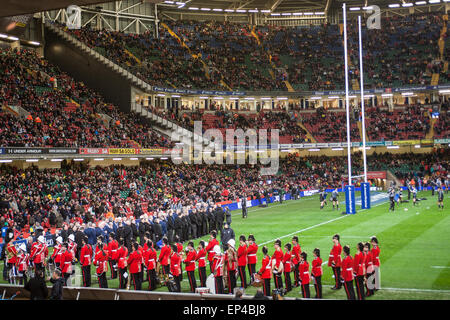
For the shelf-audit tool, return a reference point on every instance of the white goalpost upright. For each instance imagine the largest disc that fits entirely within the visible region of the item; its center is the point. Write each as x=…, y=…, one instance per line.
x=349, y=189
x=365, y=187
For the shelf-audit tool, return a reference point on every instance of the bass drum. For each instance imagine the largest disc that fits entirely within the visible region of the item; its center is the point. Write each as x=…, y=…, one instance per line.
x=211, y=284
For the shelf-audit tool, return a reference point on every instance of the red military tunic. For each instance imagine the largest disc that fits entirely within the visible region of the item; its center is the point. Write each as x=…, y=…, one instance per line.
x=359, y=267
x=179, y=247
x=209, y=248
x=135, y=261
x=242, y=255
x=22, y=262
x=11, y=251
x=39, y=252
x=278, y=257
x=56, y=255
x=304, y=272
x=175, y=261
x=368, y=261
x=252, y=249
x=376, y=256
x=86, y=255
x=164, y=255
x=287, y=264
x=112, y=249
x=101, y=261
x=217, y=265
x=122, y=254
x=201, y=257
x=317, y=267
x=73, y=247
x=66, y=261
x=231, y=264
x=347, y=269
x=335, y=256
x=190, y=260
x=150, y=258
x=266, y=268
x=296, y=251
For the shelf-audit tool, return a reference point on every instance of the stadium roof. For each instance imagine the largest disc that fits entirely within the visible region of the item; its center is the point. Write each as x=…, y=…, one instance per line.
x=19, y=7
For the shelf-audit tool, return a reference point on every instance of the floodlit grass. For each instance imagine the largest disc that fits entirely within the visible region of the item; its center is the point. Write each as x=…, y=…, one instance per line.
x=415, y=255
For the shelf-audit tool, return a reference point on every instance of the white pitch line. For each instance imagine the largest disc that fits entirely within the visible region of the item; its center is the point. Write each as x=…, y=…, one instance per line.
x=440, y=267
x=305, y=229
x=406, y=289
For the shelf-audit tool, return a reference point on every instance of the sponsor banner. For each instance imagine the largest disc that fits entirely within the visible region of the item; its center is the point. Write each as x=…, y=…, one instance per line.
x=94, y=151
x=63, y=151
x=25, y=150
x=308, y=193
x=200, y=92
x=436, y=141
x=309, y=145
x=15, y=25
x=122, y=151
x=2, y=150
x=297, y=145
x=155, y=151
x=322, y=145
x=376, y=174
x=287, y=146
x=405, y=142
x=334, y=144
x=369, y=144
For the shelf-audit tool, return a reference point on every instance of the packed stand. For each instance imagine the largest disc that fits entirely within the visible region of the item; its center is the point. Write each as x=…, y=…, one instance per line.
x=62, y=111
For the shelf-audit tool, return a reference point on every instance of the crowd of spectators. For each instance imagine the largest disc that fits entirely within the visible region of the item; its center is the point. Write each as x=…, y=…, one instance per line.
x=410, y=123
x=403, y=52
x=30, y=82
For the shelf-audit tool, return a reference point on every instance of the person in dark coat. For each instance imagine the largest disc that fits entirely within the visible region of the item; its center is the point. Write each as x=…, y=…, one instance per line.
x=127, y=235
x=142, y=231
x=193, y=223
x=58, y=284
x=170, y=227
x=219, y=218
x=37, y=287
x=226, y=234
x=157, y=230
x=178, y=226
x=204, y=218
x=211, y=219
x=228, y=216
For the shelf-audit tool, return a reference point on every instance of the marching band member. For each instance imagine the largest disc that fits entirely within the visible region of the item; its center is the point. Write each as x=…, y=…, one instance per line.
x=230, y=260
x=252, y=259
x=218, y=268
x=304, y=274
x=376, y=261
x=164, y=255
x=210, y=249
x=11, y=260
x=347, y=274
x=122, y=254
x=317, y=272
x=135, y=263
x=359, y=270
x=113, y=245
x=150, y=262
x=266, y=271
x=335, y=261
x=277, y=265
x=180, y=251
x=72, y=245
x=56, y=255
x=23, y=259
x=101, y=263
x=287, y=266
x=201, y=257
x=66, y=262
x=368, y=261
x=242, y=260
x=189, y=261
x=85, y=261
x=296, y=251
x=175, y=270
x=39, y=252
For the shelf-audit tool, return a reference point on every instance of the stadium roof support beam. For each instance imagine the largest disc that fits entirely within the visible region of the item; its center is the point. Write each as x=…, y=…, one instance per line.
x=327, y=6
x=240, y=5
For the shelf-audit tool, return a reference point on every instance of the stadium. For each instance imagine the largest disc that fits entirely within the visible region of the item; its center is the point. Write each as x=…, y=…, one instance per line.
x=224, y=150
